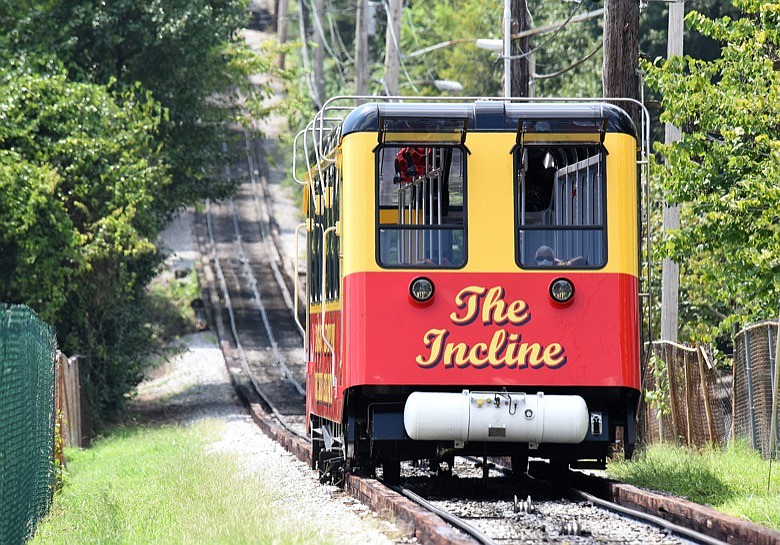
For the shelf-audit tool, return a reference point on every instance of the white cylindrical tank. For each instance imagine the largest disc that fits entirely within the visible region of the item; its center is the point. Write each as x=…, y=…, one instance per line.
x=446, y=415
x=496, y=416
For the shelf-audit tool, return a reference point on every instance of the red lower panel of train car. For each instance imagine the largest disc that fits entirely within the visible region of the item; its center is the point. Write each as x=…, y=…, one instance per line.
x=417, y=379
x=492, y=329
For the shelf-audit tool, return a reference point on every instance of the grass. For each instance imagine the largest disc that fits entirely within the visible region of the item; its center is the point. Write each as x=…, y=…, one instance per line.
x=160, y=485
x=734, y=480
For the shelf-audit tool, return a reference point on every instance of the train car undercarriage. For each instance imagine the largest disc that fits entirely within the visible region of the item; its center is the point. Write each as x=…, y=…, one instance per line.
x=569, y=430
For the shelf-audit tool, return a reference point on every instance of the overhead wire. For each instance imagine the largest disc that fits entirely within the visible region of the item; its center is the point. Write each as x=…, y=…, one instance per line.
x=321, y=32
x=336, y=34
x=554, y=34
x=571, y=66
x=308, y=76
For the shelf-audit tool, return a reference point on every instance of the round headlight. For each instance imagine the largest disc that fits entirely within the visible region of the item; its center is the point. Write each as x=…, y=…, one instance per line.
x=561, y=290
x=421, y=289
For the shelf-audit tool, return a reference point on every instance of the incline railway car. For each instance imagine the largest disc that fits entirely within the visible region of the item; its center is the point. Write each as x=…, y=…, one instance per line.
x=472, y=283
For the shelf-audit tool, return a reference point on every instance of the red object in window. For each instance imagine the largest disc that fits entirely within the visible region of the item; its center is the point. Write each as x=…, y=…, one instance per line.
x=410, y=163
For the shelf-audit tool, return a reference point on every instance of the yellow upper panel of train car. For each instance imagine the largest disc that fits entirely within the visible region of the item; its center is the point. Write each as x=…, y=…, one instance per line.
x=488, y=201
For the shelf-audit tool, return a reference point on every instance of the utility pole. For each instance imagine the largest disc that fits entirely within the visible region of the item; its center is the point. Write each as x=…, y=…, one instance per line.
x=281, y=29
x=521, y=22
x=670, y=273
x=361, y=48
x=319, y=50
x=392, y=53
x=621, y=53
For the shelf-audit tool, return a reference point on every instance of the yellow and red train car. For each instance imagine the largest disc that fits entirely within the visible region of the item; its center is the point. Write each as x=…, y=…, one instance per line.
x=473, y=282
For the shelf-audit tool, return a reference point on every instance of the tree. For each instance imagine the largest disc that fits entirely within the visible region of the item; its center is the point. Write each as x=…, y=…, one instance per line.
x=80, y=172
x=188, y=53
x=725, y=171
x=110, y=120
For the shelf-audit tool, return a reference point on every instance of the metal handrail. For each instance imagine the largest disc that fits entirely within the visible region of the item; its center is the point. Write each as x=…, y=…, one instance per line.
x=295, y=285
x=295, y=158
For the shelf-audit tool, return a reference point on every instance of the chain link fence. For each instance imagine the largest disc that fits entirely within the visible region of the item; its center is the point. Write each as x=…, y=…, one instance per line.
x=27, y=348
x=755, y=387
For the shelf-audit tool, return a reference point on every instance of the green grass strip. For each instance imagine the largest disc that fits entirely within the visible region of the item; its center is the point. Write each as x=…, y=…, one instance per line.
x=733, y=480
x=160, y=485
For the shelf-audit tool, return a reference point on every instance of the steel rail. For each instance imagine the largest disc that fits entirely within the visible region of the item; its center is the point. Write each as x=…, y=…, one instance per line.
x=449, y=517
x=262, y=211
x=233, y=326
x=681, y=531
x=662, y=523
x=253, y=284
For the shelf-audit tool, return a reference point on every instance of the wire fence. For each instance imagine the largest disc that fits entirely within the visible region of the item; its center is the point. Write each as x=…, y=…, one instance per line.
x=691, y=402
x=756, y=387
x=27, y=348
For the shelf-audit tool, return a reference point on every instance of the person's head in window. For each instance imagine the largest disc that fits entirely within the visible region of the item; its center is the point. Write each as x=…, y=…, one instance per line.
x=545, y=256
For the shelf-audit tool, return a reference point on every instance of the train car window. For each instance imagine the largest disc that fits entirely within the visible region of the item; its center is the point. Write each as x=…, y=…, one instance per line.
x=323, y=213
x=560, y=206
x=421, y=221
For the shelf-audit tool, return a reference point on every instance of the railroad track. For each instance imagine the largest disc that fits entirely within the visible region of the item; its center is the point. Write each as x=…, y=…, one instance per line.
x=252, y=305
x=253, y=297
x=509, y=509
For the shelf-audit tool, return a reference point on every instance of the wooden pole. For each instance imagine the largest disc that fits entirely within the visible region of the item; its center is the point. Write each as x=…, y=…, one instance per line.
x=621, y=53
x=705, y=391
x=670, y=272
x=520, y=72
x=392, y=53
x=688, y=400
x=775, y=395
x=672, y=389
x=281, y=29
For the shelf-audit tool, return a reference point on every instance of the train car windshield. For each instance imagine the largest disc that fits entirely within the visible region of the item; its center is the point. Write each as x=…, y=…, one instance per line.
x=420, y=206
x=560, y=206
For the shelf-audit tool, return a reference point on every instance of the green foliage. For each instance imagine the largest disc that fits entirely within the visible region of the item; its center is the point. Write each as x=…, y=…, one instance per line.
x=425, y=25
x=658, y=397
x=78, y=175
x=79, y=172
x=186, y=53
x=654, y=24
x=112, y=117
x=725, y=171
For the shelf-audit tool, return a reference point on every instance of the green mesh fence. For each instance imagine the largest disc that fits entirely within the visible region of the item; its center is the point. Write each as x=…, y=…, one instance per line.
x=27, y=348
